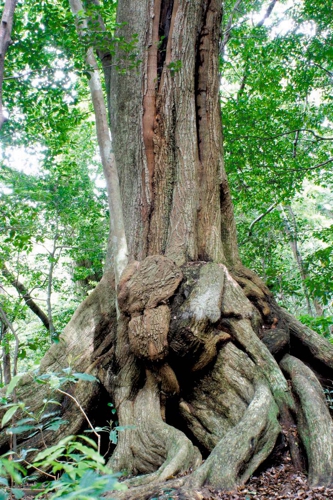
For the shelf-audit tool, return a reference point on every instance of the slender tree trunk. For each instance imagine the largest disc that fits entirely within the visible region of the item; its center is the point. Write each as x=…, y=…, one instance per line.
x=117, y=239
x=52, y=260
x=8, y=327
x=6, y=364
x=293, y=239
x=5, y=40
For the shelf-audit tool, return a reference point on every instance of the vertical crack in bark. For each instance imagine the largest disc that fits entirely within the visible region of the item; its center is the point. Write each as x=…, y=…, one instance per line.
x=201, y=68
x=164, y=30
x=164, y=144
x=149, y=107
x=208, y=127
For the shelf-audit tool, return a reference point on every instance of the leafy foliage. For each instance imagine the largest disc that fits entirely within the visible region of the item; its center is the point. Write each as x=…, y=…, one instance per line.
x=277, y=115
x=81, y=467
x=78, y=470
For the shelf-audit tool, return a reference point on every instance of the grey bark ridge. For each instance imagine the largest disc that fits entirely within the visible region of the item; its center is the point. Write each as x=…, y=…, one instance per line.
x=244, y=447
x=314, y=421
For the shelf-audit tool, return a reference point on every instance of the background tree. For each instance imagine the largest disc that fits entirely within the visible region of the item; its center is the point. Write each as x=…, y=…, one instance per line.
x=277, y=129
x=199, y=353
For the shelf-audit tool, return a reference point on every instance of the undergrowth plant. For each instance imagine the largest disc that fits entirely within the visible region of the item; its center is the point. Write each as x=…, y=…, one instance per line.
x=79, y=470
x=75, y=467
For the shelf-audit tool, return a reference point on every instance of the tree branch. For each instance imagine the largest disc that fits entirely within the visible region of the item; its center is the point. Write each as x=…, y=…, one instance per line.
x=276, y=136
x=26, y=296
x=267, y=14
x=277, y=169
x=261, y=216
x=295, y=144
x=330, y=73
x=5, y=32
x=105, y=147
x=228, y=29
x=258, y=25
x=311, y=168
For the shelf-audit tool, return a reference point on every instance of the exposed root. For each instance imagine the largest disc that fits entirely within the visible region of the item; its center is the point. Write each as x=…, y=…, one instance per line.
x=313, y=420
x=244, y=447
x=237, y=455
x=258, y=352
x=254, y=289
x=276, y=340
x=319, y=349
x=154, y=442
x=148, y=491
x=219, y=399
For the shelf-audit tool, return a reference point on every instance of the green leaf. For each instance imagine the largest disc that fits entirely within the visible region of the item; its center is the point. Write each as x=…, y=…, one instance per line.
x=56, y=424
x=50, y=457
x=54, y=449
x=19, y=429
x=14, y=469
x=25, y=420
x=12, y=384
x=113, y=436
x=88, y=452
x=89, y=441
x=85, y=376
x=9, y=414
x=17, y=493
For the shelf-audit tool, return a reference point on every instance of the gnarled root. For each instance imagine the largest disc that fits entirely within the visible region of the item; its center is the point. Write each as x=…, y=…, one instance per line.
x=244, y=447
x=307, y=344
x=313, y=420
x=153, y=441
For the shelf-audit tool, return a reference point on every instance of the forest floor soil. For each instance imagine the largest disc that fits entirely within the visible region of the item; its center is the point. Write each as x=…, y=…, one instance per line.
x=278, y=482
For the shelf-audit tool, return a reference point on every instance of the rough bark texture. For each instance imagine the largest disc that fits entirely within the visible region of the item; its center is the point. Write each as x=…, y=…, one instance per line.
x=168, y=135
x=210, y=344
x=186, y=365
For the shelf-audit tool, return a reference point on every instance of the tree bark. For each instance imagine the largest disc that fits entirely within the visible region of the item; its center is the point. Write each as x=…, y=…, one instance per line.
x=168, y=137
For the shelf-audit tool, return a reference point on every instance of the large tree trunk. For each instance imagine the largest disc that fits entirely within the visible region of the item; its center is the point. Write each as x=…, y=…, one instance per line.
x=168, y=137
x=199, y=360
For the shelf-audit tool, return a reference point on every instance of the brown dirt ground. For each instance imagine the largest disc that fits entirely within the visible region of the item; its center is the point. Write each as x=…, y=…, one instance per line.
x=278, y=482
